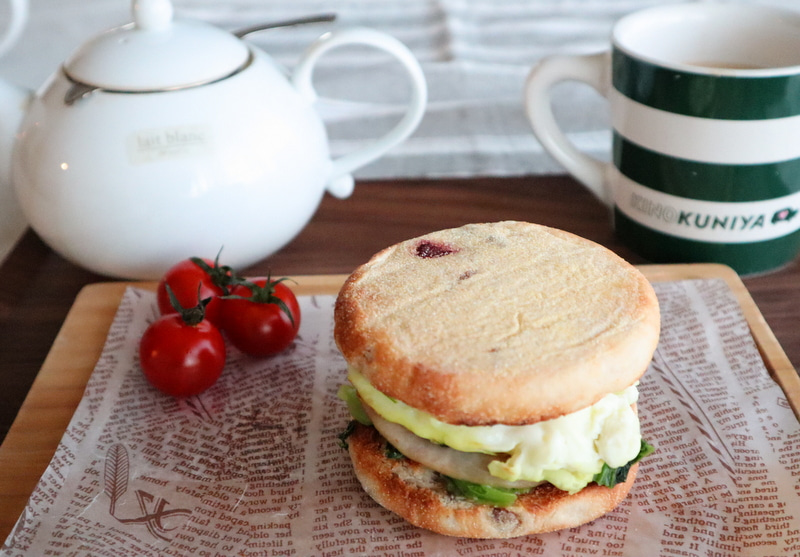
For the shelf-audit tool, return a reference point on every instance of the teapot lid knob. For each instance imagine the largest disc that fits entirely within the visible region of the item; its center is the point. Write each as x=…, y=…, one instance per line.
x=152, y=15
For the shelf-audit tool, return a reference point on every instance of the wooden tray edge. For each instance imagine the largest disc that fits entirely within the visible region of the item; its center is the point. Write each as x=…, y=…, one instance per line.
x=772, y=353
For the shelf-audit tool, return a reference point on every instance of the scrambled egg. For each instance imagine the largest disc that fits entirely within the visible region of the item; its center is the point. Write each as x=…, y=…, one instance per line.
x=566, y=451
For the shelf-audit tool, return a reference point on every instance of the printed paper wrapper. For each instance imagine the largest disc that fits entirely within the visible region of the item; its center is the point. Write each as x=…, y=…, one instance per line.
x=253, y=466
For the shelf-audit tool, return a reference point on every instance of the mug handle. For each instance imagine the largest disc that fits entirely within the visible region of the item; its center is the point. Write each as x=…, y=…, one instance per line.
x=340, y=182
x=591, y=69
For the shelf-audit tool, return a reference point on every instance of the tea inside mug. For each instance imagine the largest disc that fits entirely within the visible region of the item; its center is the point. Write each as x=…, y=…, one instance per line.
x=718, y=37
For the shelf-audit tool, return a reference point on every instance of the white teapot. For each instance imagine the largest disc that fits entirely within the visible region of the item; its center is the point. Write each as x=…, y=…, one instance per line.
x=164, y=139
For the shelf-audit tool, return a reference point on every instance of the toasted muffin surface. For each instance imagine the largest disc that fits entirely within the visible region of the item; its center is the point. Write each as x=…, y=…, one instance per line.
x=419, y=495
x=492, y=323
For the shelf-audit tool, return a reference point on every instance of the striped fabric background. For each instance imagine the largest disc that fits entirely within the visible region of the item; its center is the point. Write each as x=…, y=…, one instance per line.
x=475, y=54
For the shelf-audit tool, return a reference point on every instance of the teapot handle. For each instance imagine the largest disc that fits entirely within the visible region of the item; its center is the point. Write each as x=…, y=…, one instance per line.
x=340, y=182
x=15, y=25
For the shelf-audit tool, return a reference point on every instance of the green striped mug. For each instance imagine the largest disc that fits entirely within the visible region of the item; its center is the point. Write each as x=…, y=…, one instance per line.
x=705, y=115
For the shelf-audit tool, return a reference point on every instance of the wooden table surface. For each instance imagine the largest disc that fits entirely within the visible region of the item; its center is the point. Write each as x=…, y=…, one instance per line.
x=37, y=287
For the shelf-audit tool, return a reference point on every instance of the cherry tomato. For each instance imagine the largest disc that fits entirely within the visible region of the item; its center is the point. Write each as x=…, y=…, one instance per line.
x=261, y=316
x=182, y=358
x=185, y=277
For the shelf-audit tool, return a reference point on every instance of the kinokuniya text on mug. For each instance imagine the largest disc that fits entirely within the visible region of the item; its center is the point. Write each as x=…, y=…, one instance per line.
x=705, y=113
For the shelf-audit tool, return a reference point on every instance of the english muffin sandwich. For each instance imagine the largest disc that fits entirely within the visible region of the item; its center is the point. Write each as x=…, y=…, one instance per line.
x=492, y=376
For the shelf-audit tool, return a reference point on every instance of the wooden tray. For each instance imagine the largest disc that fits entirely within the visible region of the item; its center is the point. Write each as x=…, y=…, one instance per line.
x=59, y=386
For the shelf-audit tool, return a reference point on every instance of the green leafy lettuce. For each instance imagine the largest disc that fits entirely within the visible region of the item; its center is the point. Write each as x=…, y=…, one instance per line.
x=610, y=477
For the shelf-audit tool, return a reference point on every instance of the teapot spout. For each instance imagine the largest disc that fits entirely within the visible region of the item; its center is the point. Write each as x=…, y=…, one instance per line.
x=14, y=102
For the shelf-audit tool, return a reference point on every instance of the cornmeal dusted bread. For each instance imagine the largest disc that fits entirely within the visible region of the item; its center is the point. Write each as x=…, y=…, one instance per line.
x=515, y=322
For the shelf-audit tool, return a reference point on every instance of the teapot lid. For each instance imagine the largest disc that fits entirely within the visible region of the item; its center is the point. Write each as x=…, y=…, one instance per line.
x=156, y=53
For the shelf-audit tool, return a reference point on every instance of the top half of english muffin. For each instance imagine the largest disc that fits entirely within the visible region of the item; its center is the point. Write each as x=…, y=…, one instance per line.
x=491, y=323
